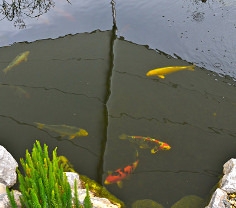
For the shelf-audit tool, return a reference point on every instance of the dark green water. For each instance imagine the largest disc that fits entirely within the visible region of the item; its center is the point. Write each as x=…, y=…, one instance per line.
x=98, y=82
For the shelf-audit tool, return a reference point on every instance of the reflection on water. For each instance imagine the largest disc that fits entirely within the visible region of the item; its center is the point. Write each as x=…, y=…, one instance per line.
x=201, y=32
x=99, y=82
x=17, y=11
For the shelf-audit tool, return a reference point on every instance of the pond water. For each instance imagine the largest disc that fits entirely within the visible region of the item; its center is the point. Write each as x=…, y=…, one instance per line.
x=97, y=81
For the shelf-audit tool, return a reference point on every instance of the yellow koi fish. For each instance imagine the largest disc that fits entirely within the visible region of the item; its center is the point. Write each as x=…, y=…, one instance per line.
x=64, y=130
x=20, y=58
x=161, y=72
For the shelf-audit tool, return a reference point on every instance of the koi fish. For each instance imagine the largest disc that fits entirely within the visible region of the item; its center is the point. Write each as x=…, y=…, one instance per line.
x=147, y=142
x=21, y=57
x=161, y=72
x=20, y=91
x=118, y=175
x=64, y=130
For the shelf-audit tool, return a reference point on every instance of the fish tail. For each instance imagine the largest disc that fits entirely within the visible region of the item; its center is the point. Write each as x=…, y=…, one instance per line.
x=123, y=136
x=6, y=69
x=39, y=125
x=137, y=154
x=191, y=68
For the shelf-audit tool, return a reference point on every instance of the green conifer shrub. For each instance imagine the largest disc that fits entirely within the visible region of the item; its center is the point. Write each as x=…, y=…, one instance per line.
x=43, y=183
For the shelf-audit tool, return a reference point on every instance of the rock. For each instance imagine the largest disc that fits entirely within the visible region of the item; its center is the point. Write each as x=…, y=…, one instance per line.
x=228, y=181
x=4, y=202
x=218, y=199
x=96, y=201
x=2, y=188
x=227, y=186
x=190, y=201
x=71, y=177
x=8, y=167
x=144, y=203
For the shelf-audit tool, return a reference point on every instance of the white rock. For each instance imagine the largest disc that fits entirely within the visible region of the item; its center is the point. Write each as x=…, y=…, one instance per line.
x=102, y=203
x=228, y=181
x=218, y=199
x=4, y=202
x=2, y=188
x=96, y=201
x=71, y=177
x=8, y=167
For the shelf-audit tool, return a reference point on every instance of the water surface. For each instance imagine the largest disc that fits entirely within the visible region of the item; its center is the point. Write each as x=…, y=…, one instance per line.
x=97, y=81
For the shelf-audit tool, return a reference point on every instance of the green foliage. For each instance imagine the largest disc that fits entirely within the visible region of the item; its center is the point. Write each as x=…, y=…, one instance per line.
x=87, y=201
x=43, y=183
x=76, y=200
x=11, y=198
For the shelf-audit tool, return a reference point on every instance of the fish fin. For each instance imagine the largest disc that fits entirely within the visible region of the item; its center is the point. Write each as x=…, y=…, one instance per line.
x=5, y=70
x=120, y=184
x=191, y=68
x=39, y=125
x=161, y=76
x=71, y=136
x=136, y=153
x=123, y=136
x=82, y=132
x=154, y=150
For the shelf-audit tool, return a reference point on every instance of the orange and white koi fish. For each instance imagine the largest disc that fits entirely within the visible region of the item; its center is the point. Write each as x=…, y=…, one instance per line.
x=64, y=130
x=147, y=142
x=20, y=58
x=120, y=174
x=161, y=72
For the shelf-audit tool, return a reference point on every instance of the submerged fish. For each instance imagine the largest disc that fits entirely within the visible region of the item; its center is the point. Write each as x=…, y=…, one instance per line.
x=161, y=72
x=21, y=57
x=20, y=91
x=64, y=130
x=118, y=175
x=147, y=142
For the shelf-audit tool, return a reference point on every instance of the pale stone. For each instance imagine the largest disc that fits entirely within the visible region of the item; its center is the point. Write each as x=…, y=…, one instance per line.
x=71, y=177
x=227, y=185
x=102, y=203
x=228, y=181
x=4, y=201
x=96, y=201
x=2, y=188
x=8, y=167
x=218, y=199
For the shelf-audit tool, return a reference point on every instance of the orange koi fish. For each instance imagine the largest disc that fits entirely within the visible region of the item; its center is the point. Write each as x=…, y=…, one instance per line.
x=118, y=175
x=147, y=142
